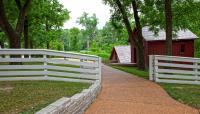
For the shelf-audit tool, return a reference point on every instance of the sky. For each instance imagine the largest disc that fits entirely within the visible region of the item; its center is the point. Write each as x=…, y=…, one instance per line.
x=77, y=7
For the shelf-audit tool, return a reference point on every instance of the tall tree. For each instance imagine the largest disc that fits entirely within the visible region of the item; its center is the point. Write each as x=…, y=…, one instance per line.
x=90, y=25
x=2, y=39
x=74, y=39
x=26, y=35
x=139, y=36
x=168, y=18
x=137, y=40
x=45, y=19
x=14, y=35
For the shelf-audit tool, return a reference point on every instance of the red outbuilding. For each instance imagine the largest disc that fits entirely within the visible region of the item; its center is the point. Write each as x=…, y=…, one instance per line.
x=154, y=44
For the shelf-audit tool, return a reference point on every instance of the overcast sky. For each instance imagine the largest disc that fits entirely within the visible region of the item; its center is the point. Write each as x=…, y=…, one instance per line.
x=77, y=7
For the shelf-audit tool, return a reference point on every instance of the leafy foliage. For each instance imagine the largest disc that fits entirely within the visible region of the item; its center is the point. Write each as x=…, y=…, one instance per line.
x=101, y=44
x=90, y=25
x=45, y=19
x=185, y=14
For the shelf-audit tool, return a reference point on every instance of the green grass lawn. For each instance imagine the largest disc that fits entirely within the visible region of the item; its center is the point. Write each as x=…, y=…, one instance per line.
x=27, y=97
x=133, y=70
x=187, y=94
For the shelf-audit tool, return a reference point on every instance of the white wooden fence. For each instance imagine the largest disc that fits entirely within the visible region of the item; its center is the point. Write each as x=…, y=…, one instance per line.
x=174, y=69
x=33, y=64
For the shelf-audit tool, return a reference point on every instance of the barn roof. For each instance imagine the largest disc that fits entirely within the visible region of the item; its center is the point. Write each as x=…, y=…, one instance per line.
x=123, y=53
x=180, y=35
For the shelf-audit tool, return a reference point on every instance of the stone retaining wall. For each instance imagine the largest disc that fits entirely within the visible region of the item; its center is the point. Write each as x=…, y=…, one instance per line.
x=77, y=104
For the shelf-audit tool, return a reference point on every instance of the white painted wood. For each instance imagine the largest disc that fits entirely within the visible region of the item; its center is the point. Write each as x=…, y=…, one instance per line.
x=18, y=67
x=22, y=52
x=45, y=65
x=177, y=81
x=176, y=65
x=178, y=77
x=151, y=67
x=22, y=78
x=91, y=65
x=181, y=59
x=81, y=60
x=75, y=75
x=81, y=70
x=173, y=72
x=71, y=55
x=69, y=80
x=178, y=57
x=196, y=71
x=21, y=59
x=156, y=68
x=21, y=73
x=60, y=61
x=47, y=52
x=176, y=71
x=99, y=69
x=45, y=78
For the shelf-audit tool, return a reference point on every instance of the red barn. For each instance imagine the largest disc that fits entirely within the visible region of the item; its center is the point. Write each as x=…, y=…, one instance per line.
x=183, y=44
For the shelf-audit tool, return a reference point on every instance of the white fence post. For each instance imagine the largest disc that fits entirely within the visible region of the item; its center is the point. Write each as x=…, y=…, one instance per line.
x=155, y=69
x=81, y=60
x=99, y=69
x=196, y=70
x=151, y=67
x=45, y=65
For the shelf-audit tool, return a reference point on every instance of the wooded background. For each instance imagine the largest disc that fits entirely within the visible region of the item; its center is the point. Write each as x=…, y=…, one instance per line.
x=39, y=24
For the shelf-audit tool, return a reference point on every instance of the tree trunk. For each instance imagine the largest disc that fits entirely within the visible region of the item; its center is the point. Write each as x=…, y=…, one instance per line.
x=1, y=44
x=168, y=16
x=13, y=35
x=26, y=38
x=47, y=45
x=139, y=38
x=31, y=43
x=47, y=30
x=14, y=40
x=138, y=42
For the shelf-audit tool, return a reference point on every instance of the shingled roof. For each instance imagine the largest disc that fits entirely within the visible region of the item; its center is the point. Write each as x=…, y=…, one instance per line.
x=180, y=35
x=123, y=53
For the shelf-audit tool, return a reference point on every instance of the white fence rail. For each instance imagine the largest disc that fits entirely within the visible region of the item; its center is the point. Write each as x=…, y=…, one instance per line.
x=173, y=69
x=32, y=64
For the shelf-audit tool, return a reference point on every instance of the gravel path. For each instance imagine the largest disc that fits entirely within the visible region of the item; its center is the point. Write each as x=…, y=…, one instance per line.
x=123, y=93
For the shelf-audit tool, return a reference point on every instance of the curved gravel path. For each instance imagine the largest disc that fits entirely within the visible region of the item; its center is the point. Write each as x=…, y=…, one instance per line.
x=123, y=93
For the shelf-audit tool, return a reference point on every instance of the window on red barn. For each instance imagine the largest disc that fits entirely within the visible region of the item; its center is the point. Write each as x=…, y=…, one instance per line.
x=182, y=49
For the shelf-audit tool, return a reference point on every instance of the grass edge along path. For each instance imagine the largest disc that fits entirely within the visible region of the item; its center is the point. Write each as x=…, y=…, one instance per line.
x=184, y=93
x=27, y=97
